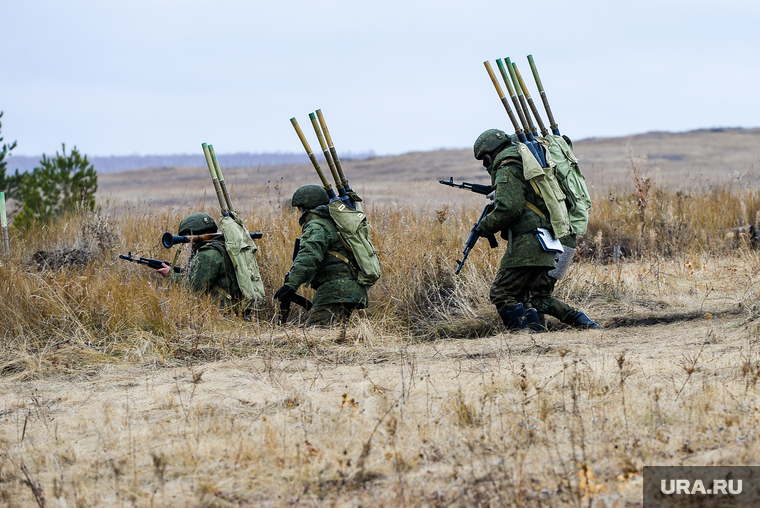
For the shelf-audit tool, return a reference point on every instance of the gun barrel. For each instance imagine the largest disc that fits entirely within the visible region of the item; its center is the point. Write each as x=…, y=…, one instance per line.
x=320, y=173
x=552, y=123
x=474, y=187
x=502, y=97
x=151, y=263
x=214, y=179
x=528, y=98
x=220, y=177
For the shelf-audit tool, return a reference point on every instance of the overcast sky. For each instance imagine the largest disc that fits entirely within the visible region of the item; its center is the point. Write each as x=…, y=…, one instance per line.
x=161, y=77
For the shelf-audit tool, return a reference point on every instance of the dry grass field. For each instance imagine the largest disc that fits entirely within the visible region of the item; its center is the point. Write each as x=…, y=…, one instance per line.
x=692, y=160
x=117, y=389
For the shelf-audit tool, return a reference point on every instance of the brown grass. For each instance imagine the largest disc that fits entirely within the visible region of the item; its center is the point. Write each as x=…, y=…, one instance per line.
x=121, y=390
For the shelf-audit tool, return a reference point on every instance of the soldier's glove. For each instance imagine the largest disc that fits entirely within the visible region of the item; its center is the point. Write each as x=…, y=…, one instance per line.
x=285, y=294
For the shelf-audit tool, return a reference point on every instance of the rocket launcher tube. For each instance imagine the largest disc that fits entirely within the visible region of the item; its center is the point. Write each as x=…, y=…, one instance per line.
x=520, y=112
x=532, y=104
x=215, y=180
x=325, y=183
x=553, y=124
x=326, y=152
x=530, y=141
x=521, y=97
x=333, y=152
x=515, y=123
x=220, y=177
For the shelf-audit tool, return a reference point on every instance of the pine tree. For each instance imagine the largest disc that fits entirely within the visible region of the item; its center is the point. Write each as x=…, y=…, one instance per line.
x=61, y=184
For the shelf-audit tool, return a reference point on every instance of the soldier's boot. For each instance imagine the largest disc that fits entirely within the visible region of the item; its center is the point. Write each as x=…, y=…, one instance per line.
x=514, y=317
x=542, y=319
x=581, y=320
x=517, y=317
x=534, y=321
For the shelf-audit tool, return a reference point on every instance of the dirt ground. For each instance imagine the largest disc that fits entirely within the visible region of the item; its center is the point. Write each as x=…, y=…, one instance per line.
x=355, y=418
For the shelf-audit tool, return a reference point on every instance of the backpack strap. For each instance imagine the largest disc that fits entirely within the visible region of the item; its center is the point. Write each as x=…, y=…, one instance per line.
x=535, y=188
x=339, y=256
x=221, y=292
x=536, y=209
x=351, y=267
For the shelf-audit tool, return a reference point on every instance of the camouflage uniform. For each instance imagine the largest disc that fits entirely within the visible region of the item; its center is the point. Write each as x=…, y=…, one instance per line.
x=210, y=269
x=522, y=287
x=541, y=296
x=525, y=260
x=325, y=263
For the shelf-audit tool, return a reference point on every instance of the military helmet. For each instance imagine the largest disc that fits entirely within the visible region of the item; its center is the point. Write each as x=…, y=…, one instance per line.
x=310, y=196
x=198, y=223
x=490, y=142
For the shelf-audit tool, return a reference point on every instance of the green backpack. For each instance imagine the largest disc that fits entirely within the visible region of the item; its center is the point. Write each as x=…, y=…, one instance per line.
x=353, y=228
x=546, y=186
x=242, y=251
x=571, y=180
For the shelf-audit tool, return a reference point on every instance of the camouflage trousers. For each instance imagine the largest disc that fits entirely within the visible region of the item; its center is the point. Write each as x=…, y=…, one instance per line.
x=331, y=314
x=541, y=298
x=533, y=287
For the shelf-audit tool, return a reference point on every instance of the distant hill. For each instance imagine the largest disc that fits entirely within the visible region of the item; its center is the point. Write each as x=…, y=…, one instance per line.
x=687, y=160
x=127, y=162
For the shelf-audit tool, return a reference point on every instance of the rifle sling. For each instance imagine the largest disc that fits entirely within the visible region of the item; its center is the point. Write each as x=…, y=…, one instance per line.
x=354, y=270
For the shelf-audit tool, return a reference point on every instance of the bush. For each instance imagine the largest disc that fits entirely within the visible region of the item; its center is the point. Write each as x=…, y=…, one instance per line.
x=62, y=184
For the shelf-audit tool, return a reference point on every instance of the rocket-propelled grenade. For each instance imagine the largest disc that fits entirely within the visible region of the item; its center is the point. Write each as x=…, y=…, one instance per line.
x=503, y=98
x=215, y=180
x=312, y=157
x=220, y=177
x=521, y=97
x=552, y=123
x=326, y=153
x=532, y=104
x=334, y=153
x=515, y=102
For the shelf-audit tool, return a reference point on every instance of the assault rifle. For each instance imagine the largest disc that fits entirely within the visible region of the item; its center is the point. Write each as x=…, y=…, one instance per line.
x=475, y=232
x=169, y=240
x=474, y=187
x=297, y=299
x=152, y=263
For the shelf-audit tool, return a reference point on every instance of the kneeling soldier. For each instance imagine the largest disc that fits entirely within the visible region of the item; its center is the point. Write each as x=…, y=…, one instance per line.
x=522, y=284
x=324, y=262
x=210, y=269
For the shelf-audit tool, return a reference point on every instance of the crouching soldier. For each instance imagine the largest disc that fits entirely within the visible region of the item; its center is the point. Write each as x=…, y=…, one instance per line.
x=210, y=269
x=323, y=262
x=522, y=283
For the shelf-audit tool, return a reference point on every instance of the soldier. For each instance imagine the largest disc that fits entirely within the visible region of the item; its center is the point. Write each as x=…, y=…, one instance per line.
x=518, y=210
x=324, y=262
x=210, y=269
